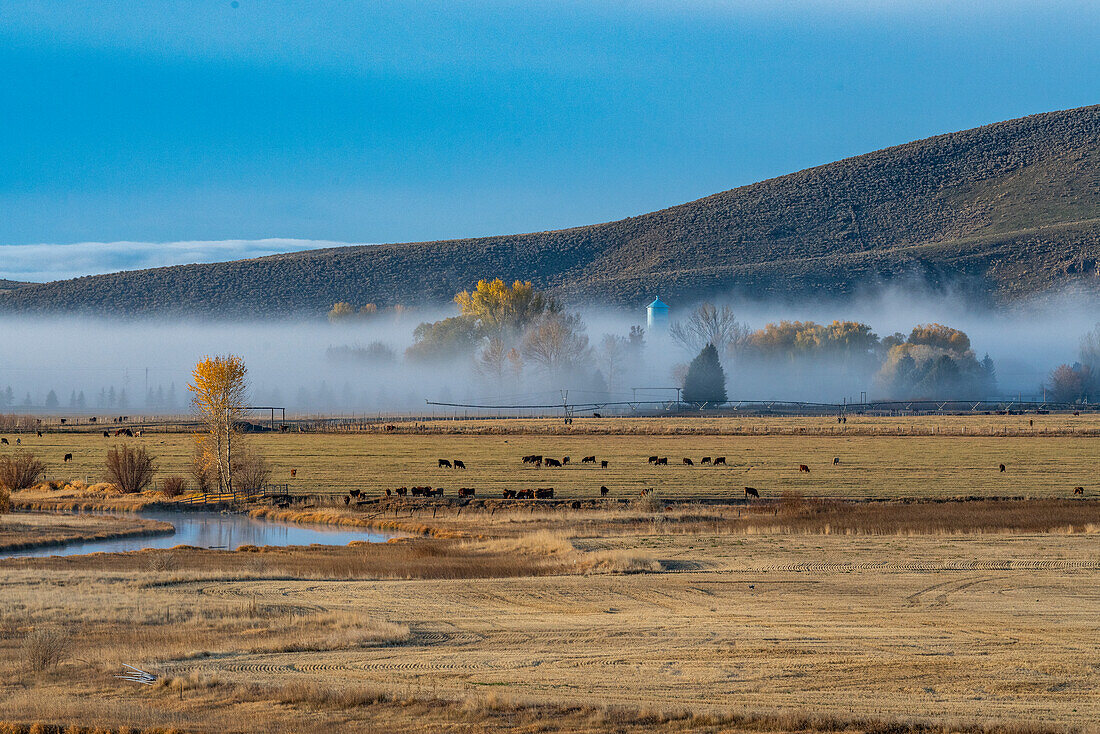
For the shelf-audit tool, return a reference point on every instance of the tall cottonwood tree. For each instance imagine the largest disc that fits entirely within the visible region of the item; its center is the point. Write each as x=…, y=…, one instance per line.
x=219, y=388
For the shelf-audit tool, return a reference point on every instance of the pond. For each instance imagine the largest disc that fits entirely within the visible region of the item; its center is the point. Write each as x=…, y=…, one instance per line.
x=214, y=530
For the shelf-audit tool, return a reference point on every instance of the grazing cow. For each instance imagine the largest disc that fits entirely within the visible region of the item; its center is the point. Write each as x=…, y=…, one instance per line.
x=604, y=491
x=1002, y=467
x=525, y=494
x=552, y=462
x=752, y=492
x=68, y=458
x=106, y=434
x=458, y=464
x=402, y=491
x=688, y=462
x=836, y=460
x=355, y=493
x=588, y=460
x=564, y=460
x=663, y=461
x=720, y=460
x=417, y=491
x=652, y=459
x=444, y=463
x=63, y=420
x=706, y=460
x=603, y=464
x=389, y=492
x=597, y=415
x=4, y=441
x=466, y=492
x=530, y=459
x=803, y=469
x=509, y=494
x=1079, y=490
x=544, y=493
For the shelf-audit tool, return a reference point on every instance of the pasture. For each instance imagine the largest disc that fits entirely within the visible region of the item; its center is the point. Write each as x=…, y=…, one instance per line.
x=799, y=612
x=871, y=466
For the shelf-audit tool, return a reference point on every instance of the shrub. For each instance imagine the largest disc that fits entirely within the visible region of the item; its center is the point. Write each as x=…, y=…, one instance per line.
x=250, y=472
x=5, y=500
x=174, y=486
x=45, y=648
x=20, y=470
x=129, y=469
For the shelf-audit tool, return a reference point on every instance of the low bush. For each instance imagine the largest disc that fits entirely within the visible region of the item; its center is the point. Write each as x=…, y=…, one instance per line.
x=20, y=470
x=130, y=469
x=174, y=486
x=45, y=648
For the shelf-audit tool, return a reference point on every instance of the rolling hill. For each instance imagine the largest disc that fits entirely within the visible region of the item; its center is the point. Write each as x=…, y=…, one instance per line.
x=1009, y=209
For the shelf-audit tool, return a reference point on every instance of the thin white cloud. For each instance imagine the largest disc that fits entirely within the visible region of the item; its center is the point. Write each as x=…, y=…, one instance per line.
x=45, y=262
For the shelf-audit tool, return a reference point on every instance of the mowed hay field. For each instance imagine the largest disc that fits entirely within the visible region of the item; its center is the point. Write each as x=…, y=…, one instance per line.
x=878, y=466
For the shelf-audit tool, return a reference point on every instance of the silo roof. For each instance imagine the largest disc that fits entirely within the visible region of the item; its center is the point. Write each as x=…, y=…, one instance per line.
x=657, y=303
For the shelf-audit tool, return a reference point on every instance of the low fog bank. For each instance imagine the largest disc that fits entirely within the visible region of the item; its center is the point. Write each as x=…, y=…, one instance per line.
x=365, y=365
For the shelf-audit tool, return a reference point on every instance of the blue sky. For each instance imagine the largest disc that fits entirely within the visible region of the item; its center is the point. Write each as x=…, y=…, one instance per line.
x=185, y=131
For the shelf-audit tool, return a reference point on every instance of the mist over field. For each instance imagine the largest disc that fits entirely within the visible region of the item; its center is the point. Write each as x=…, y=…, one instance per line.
x=143, y=366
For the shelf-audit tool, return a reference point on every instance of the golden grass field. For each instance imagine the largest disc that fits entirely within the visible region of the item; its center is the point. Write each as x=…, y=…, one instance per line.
x=871, y=466
x=798, y=614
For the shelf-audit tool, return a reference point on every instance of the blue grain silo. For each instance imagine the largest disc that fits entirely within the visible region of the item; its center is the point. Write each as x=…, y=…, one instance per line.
x=657, y=317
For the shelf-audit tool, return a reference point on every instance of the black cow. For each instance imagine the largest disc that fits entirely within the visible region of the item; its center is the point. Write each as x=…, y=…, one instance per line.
x=544, y=493
x=604, y=491
x=106, y=434
x=552, y=462
x=688, y=462
x=68, y=458
x=444, y=463
x=803, y=469
x=663, y=461
x=509, y=494
x=705, y=460
x=836, y=460
x=466, y=492
x=347, y=500
x=1079, y=490
x=720, y=460
x=603, y=464
x=652, y=459
x=39, y=433
x=458, y=464
x=1002, y=467
x=4, y=441
x=525, y=494
x=588, y=460
x=402, y=491
x=751, y=492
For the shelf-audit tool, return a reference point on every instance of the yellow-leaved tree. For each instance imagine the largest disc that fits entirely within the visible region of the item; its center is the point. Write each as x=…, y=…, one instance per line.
x=219, y=390
x=499, y=309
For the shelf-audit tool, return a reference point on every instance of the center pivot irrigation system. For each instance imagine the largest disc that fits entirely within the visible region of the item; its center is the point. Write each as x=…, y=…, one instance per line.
x=786, y=407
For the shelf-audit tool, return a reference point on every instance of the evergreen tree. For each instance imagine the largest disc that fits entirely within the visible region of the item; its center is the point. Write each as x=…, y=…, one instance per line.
x=51, y=399
x=80, y=401
x=72, y=399
x=705, y=381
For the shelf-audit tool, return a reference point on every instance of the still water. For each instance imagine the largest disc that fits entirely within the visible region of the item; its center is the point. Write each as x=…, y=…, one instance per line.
x=214, y=530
